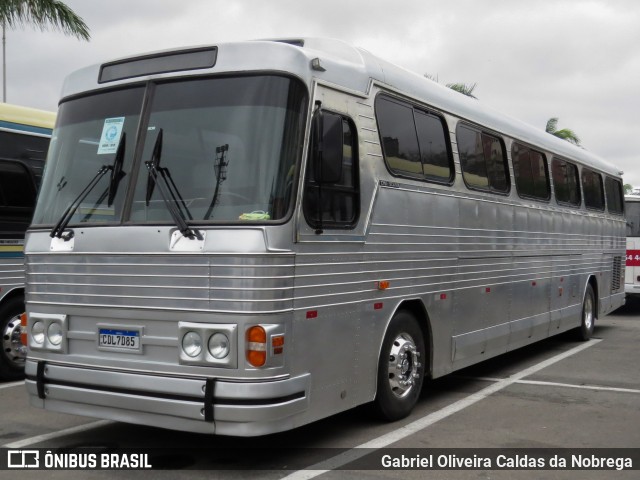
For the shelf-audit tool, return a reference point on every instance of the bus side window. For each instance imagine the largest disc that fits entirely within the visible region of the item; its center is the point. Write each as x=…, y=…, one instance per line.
x=615, y=198
x=414, y=141
x=339, y=202
x=565, y=182
x=483, y=160
x=399, y=139
x=17, y=198
x=593, y=191
x=17, y=188
x=530, y=172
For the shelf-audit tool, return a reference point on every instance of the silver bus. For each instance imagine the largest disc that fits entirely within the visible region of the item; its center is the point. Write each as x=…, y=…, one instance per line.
x=632, y=270
x=244, y=238
x=24, y=139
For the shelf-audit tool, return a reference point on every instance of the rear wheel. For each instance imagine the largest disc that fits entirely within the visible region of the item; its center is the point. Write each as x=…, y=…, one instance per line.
x=400, y=368
x=13, y=354
x=585, y=330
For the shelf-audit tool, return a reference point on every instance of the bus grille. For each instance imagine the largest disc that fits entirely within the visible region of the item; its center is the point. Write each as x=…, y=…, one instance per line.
x=616, y=280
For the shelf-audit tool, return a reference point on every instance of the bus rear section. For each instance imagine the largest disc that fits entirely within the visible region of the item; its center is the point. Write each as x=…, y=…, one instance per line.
x=24, y=140
x=632, y=270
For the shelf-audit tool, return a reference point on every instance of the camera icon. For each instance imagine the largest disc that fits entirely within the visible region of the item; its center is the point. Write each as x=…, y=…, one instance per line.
x=23, y=459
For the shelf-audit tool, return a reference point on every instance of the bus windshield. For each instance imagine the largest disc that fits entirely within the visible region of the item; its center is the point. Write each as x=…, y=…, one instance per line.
x=219, y=149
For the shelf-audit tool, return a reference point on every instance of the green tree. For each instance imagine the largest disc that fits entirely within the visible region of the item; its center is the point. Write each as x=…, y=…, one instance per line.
x=40, y=14
x=565, y=134
x=463, y=88
x=628, y=189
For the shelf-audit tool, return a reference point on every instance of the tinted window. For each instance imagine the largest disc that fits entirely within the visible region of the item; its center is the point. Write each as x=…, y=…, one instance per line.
x=338, y=203
x=592, y=188
x=482, y=159
x=231, y=147
x=565, y=182
x=436, y=160
x=613, y=190
x=632, y=214
x=17, y=198
x=17, y=188
x=399, y=138
x=414, y=141
x=19, y=146
x=77, y=155
x=530, y=172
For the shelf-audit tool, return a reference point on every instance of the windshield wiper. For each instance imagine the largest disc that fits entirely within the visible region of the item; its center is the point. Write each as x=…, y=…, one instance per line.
x=116, y=172
x=71, y=209
x=116, y=175
x=165, y=189
x=167, y=178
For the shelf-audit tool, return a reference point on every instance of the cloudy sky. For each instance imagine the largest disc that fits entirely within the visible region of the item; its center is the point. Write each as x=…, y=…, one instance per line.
x=578, y=60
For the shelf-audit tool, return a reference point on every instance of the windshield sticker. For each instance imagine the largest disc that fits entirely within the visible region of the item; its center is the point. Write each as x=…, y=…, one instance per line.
x=110, y=137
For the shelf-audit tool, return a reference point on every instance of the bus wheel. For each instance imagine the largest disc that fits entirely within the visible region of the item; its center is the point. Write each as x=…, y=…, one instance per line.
x=13, y=354
x=585, y=330
x=401, y=368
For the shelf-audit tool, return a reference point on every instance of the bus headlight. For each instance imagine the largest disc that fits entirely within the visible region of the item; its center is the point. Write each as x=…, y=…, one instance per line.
x=54, y=333
x=37, y=332
x=219, y=346
x=47, y=332
x=208, y=344
x=192, y=344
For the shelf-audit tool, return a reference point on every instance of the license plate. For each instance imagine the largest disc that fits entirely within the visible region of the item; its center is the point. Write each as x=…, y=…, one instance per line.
x=119, y=339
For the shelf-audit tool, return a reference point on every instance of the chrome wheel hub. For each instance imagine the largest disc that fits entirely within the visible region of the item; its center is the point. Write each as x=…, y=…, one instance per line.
x=403, y=365
x=12, y=347
x=588, y=313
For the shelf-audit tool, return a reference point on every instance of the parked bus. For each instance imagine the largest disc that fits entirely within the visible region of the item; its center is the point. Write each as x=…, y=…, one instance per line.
x=24, y=139
x=245, y=238
x=632, y=270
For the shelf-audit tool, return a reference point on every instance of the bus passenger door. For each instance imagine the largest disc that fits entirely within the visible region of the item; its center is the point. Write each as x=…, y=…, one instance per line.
x=334, y=329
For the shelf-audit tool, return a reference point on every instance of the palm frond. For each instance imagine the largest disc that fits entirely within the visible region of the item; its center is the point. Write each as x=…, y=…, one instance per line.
x=565, y=134
x=43, y=14
x=463, y=88
x=568, y=135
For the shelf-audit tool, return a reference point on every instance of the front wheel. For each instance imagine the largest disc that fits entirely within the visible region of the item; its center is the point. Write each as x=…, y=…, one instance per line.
x=400, y=368
x=585, y=330
x=13, y=354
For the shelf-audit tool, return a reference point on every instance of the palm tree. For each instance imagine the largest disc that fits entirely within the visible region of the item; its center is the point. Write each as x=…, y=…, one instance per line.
x=566, y=133
x=41, y=14
x=463, y=88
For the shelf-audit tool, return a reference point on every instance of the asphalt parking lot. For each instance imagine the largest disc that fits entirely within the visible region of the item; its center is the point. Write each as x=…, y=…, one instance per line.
x=557, y=394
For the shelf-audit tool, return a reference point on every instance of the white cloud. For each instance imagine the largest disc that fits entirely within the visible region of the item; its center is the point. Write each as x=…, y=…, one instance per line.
x=574, y=59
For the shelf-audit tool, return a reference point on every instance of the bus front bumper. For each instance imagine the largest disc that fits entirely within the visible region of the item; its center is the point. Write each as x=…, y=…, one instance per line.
x=632, y=289
x=203, y=405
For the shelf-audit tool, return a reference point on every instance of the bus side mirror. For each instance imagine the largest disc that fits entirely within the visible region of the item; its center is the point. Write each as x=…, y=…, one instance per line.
x=327, y=147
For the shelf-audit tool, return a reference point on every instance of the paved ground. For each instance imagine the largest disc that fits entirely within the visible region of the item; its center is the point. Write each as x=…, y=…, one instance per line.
x=553, y=395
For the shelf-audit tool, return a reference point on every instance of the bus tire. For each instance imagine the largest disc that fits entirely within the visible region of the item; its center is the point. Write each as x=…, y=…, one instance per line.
x=587, y=323
x=11, y=359
x=400, y=368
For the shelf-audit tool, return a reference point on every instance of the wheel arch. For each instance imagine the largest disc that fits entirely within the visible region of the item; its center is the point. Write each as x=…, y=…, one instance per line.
x=593, y=281
x=417, y=308
x=14, y=293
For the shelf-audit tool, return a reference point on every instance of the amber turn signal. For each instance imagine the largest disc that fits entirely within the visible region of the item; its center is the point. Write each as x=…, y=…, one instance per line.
x=256, y=346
